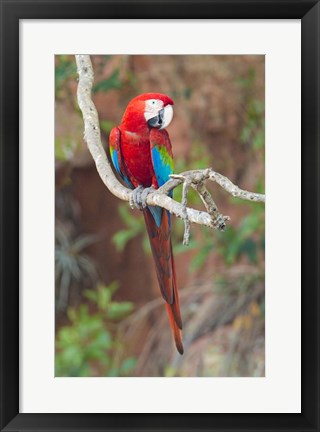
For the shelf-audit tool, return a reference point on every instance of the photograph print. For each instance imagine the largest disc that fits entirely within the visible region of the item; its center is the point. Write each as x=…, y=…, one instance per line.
x=167, y=283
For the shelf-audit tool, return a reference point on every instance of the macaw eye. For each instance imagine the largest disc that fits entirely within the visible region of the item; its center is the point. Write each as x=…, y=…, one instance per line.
x=153, y=104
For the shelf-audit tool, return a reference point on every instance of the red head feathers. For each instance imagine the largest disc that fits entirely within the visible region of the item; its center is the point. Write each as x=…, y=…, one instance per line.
x=148, y=110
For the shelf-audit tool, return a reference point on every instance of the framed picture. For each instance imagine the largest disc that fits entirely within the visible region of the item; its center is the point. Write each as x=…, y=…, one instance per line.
x=86, y=341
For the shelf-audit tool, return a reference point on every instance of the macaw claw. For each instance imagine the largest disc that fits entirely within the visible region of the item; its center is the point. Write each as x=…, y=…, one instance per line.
x=144, y=195
x=138, y=198
x=135, y=198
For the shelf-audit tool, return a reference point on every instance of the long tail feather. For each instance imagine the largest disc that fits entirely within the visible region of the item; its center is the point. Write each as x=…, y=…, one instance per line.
x=176, y=332
x=160, y=240
x=175, y=304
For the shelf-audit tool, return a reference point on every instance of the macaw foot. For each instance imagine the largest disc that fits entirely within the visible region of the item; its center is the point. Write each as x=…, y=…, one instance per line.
x=139, y=197
x=135, y=198
x=145, y=194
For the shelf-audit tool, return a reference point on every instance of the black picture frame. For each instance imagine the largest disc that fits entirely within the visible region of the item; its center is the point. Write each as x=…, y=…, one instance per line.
x=11, y=12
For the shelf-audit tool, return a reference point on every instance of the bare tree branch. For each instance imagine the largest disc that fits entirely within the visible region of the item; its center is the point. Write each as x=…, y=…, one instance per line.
x=196, y=179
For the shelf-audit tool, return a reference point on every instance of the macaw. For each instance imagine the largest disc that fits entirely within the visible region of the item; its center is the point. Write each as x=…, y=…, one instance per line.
x=141, y=153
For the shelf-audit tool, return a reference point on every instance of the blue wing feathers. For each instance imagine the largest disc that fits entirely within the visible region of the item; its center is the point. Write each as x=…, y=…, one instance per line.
x=162, y=161
x=161, y=169
x=115, y=152
x=115, y=161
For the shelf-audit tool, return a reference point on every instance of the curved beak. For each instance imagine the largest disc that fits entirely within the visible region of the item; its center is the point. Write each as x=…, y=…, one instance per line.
x=162, y=119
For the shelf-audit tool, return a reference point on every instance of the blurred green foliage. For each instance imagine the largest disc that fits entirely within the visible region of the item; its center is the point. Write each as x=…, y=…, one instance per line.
x=246, y=240
x=133, y=226
x=71, y=263
x=106, y=126
x=65, y=148
x=87, y=346
x=112, y=82
x=253, y=130
x=118, y=79
x=65, y=70
x=67, y=112
x=252, y=133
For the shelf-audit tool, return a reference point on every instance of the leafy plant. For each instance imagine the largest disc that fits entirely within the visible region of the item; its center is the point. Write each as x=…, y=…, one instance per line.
x=71, y=263
x=134, y=226
x=245, y=240
x=88, y=345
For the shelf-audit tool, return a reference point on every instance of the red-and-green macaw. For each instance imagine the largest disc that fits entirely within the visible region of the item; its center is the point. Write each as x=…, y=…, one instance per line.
x=141, y=153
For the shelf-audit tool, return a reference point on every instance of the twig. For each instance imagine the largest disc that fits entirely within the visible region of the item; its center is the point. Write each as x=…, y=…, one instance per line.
x=211, y=218
x=234, y=190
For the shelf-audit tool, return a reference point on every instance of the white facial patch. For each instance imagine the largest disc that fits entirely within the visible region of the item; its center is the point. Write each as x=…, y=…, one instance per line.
x=152, y=107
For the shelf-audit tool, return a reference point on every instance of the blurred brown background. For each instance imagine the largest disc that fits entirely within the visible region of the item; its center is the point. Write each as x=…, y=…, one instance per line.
x=110, y=317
